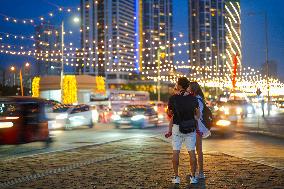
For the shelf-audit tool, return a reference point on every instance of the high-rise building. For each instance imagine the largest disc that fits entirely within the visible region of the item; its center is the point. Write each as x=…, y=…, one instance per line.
x=156, y=32
x=120, y=38
x=233, y=35
x=47, y=45
x=214, y=34
x=108, y=38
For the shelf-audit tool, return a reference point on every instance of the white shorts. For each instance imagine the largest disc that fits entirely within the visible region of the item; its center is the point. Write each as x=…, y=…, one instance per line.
x=179, y=138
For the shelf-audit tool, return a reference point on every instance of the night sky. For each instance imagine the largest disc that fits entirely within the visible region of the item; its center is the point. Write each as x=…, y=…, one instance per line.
x=253, y=35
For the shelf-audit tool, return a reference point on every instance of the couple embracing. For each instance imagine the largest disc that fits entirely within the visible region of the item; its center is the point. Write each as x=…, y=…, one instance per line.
x=187, y=126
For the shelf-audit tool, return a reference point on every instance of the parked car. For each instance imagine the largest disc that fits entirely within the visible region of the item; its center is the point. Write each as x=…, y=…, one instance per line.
x=138, y=116
x=70, y=116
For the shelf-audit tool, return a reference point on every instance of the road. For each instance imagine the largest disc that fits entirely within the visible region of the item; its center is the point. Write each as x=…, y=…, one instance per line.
x=257, y=148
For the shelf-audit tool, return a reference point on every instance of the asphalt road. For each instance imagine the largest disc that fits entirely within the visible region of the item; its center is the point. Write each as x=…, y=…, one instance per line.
x=262, y=149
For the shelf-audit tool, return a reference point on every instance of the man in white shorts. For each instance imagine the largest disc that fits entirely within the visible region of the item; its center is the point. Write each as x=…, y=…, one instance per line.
x=183, y=108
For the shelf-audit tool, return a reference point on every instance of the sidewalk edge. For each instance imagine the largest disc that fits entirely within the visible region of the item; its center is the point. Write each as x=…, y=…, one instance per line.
x=264, y=133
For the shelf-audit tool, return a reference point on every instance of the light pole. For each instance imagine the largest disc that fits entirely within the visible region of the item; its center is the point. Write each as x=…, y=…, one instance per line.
x=75, y=20
x=266, y=56
x=267, y=65
x=216, y=71
x=62, y=58
x=13, y=69
x=159, y=72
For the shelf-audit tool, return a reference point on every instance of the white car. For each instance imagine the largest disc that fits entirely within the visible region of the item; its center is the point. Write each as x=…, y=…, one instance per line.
x=70, y=116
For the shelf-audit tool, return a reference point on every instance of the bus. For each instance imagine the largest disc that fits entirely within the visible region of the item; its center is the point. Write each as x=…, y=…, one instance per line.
x=115, y=100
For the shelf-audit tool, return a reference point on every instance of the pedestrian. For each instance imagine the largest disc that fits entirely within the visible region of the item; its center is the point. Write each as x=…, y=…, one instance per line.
x=262, y=107
x=201, y=131
x=184, y=109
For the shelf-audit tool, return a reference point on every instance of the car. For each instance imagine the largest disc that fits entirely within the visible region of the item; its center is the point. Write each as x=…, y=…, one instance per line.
x=280, y=104
x=104, y=114
x=222, y=126
x=137, y=116
x=68, y=116
x=161, y=108
x=23, y=120
x=232, y=110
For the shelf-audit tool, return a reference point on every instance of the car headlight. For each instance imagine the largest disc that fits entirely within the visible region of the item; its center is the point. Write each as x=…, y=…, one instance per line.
x=115, y=117
x=223, y=123
x=249, y=109
x=61, y=116
x=6, y=125
x=239, y=110
x=156, y=108
x=161, y=116
x=137, y=117
x=225, y=110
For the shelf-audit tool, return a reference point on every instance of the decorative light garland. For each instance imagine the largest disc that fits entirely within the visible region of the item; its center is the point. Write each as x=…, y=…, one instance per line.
x=210, y=76
x=35, y=86
x=69, y=92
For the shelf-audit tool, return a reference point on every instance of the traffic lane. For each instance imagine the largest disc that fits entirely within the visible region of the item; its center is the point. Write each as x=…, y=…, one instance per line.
x=266, y=150
x=64, y=140
x=253, y=147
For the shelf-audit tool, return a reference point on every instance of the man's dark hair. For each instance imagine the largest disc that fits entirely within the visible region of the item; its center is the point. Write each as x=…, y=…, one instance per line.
x=183, y=82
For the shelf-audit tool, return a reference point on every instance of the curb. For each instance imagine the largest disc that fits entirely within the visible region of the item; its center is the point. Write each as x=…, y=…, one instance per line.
x=263, y=133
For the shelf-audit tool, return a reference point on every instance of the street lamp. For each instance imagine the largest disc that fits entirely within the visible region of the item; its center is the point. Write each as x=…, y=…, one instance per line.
x=266, y=55
x=13, y=69
x=75, y=20
x=62, y=58
x=161, y=48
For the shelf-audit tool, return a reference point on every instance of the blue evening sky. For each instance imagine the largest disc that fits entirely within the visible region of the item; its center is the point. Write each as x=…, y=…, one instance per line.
x=253, y=35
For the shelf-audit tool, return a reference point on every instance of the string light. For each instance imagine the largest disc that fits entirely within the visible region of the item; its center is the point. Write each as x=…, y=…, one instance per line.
x=247, y=77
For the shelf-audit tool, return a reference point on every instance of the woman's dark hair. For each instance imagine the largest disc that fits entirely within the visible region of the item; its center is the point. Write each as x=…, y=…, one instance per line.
x=196, y=89
x=183, y=82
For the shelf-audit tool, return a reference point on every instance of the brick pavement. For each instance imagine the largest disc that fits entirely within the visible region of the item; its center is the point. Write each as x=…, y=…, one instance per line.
x=140, y=163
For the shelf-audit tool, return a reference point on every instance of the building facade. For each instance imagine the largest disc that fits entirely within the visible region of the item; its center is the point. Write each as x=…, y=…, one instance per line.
x=48, y=46
x=108, y=38
x=120, y=38
x=157, y=24
x=214, y=35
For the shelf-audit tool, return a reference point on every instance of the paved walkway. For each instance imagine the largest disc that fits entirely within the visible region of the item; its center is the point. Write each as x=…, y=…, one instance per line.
x=270, y=125
x=132, y=163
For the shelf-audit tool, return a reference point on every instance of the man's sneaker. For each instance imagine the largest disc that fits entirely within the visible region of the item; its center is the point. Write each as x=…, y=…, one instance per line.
x=176, y=180
x=201, y=175
x=193, y=180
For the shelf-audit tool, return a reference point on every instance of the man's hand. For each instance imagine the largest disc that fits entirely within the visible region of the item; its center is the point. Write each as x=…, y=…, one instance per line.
x=169, y=134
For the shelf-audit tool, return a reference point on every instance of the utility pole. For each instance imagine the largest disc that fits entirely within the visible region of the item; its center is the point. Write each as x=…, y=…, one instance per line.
x=159, y=75
x=159, y=72
x=267, y=63
x=266, y=57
